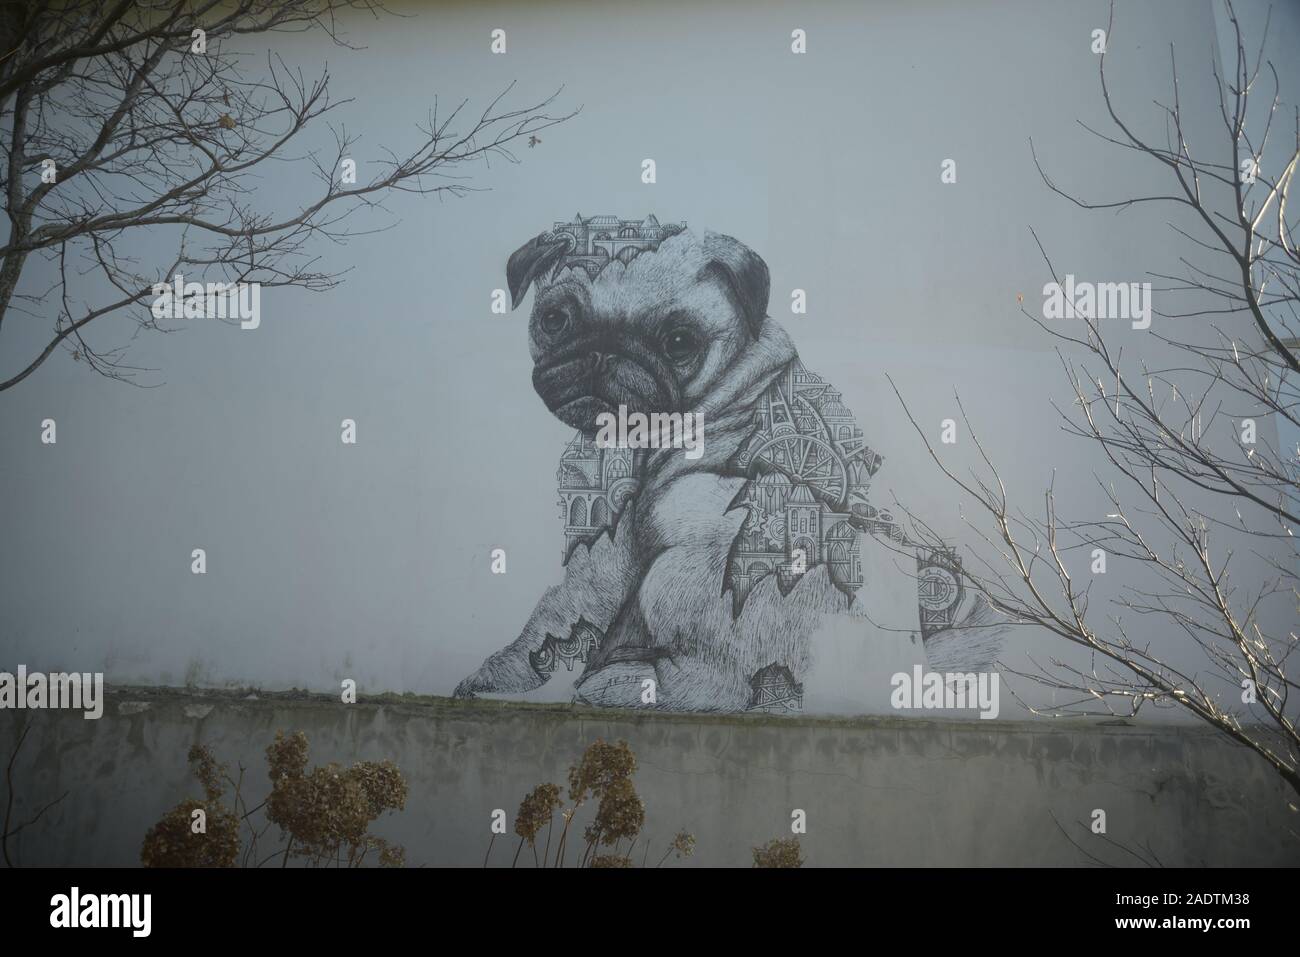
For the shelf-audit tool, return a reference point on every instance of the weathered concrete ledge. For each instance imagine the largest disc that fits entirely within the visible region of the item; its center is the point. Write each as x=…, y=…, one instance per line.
x=891, y=791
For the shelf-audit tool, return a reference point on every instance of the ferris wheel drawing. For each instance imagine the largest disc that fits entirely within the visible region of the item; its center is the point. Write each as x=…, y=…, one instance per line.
x=803, y=447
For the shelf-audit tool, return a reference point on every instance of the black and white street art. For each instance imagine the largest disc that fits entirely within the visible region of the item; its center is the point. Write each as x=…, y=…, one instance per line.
x=701, y=578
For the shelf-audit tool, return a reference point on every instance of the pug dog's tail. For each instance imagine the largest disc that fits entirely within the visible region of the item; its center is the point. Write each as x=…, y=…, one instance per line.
x=972, y=643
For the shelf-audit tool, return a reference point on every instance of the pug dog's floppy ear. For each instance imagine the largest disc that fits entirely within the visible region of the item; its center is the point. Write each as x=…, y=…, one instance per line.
x=531, y=260
x=744, y=272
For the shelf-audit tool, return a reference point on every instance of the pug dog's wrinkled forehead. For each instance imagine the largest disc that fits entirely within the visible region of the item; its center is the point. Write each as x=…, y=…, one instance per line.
x=643, y=270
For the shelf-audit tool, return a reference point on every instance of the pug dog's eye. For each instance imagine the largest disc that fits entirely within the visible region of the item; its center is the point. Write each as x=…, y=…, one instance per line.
x=681, y=344
x=555, y=320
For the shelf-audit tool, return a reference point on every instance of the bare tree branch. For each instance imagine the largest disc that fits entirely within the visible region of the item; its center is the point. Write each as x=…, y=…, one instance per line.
x=1174, y=443
x=143, y=120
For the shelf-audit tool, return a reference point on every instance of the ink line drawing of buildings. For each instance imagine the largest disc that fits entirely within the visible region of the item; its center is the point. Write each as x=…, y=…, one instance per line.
x=810, y=471
x=594, y=485
x=584, y=638
x=775, y=690
x=939, y=589
x=595, y=241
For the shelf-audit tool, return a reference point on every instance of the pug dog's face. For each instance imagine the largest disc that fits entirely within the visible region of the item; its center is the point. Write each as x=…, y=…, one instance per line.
x=652, y=334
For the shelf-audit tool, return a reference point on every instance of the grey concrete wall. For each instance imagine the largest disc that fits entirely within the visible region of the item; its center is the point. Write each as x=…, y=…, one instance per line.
x=877, y=791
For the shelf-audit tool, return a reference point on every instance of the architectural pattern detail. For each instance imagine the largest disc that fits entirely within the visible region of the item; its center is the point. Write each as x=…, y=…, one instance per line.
x=584, y=637
x=595, y=484
x=939, y=589
x=810, y=472
x=775, y=690
x=595, y=241
x=809, y=468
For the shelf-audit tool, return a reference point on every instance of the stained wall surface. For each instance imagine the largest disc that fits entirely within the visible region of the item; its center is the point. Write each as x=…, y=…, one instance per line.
x=875, y=791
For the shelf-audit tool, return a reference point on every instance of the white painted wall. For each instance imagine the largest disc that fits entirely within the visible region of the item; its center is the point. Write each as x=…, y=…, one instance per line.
x=371, y=562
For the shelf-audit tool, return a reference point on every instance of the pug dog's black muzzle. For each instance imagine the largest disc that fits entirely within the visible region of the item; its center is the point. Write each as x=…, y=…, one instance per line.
x=596, y=375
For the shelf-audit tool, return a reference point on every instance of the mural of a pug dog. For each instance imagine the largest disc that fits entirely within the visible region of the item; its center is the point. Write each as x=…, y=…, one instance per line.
x=703, y=570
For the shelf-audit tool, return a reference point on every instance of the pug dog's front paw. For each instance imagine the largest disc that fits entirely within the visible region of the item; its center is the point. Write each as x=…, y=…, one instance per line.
x=624, y=684
x=505, y=673
x=469, y=688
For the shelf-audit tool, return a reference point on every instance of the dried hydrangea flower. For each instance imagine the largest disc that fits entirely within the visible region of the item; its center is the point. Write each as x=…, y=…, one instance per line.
x=620, y=815
x=684, y=844
x=536, y=810
x=172, y=841
x=210, y=773
x=601, y=766
x=778, y=853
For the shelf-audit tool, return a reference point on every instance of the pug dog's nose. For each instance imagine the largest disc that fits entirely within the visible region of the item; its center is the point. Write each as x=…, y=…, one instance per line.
x=598, y=361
